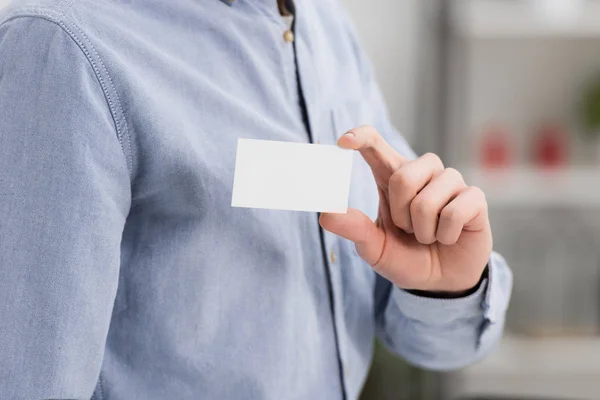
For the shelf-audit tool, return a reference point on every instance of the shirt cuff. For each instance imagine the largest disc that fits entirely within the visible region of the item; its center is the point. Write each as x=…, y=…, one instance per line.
x=437, y=311
x=452, y=295
x=434, y=311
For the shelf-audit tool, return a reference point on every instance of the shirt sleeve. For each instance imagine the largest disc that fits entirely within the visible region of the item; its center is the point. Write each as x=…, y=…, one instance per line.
x=432, y=333
x=64, y=198
x=445, y=334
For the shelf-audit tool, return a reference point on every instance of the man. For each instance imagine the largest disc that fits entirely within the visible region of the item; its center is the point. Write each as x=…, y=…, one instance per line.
x=125, y=274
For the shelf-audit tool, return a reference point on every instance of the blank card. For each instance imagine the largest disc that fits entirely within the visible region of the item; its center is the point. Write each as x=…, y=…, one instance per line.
x=291, y=176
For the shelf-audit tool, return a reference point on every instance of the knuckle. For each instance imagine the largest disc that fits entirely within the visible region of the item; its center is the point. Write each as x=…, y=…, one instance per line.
x=402, y=179
x=477, y=192
x=482, y=199
x=454, y=174
x=450, y=214
x=478, y=196
x=371, y=133
x=431, y=156
x=400, y=219
x=434, y=159
x=422, y=206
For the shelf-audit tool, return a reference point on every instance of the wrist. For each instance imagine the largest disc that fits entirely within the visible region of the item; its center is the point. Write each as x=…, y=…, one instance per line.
x=453, y=294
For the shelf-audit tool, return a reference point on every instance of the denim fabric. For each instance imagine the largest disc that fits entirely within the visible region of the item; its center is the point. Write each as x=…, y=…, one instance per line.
x=124, y=272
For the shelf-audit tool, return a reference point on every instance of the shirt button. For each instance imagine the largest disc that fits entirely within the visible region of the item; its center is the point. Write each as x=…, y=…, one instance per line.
x=332, y=256
x=288, y=36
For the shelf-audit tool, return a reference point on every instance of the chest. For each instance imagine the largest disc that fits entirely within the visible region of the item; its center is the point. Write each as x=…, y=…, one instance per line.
x=195, y=88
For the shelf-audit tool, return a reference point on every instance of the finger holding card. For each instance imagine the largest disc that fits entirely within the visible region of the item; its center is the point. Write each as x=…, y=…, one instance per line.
x=433, y=231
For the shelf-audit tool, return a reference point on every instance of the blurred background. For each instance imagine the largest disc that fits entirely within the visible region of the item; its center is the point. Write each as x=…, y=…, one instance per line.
x=508, y=92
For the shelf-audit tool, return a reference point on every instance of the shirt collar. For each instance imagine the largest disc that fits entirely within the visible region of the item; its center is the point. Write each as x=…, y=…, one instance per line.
x=269, y=4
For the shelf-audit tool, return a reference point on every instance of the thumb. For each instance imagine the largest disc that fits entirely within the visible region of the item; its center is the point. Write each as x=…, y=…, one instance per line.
x=357, y=227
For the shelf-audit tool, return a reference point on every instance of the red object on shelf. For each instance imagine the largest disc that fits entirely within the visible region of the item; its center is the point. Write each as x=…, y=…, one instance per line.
x=551, y=146
x=496, y=149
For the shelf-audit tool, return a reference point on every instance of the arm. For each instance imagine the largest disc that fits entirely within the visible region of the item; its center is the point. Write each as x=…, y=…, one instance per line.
x=445, y=334
x=435, y=333
x=64, y=198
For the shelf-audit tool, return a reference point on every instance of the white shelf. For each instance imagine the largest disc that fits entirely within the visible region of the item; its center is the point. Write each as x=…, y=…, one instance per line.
x=519, y=19
x=530, y=187
x=523, y=367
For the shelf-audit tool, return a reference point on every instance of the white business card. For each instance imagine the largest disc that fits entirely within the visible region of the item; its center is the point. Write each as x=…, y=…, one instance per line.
x=291, y=176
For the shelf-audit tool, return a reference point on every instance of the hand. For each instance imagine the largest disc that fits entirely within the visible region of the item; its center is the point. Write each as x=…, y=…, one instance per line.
x=432, y=232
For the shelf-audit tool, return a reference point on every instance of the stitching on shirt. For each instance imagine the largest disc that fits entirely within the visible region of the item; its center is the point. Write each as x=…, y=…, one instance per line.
x=121, y=130
x=115, y=112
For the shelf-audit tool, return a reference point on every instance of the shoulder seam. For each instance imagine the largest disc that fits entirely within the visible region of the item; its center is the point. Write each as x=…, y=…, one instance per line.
x=98, y=66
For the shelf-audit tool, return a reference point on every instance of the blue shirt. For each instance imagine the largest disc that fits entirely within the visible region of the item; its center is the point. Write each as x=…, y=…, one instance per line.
x=124, y=272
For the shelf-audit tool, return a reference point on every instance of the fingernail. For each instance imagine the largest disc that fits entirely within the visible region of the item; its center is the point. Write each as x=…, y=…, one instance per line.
x=351, y=134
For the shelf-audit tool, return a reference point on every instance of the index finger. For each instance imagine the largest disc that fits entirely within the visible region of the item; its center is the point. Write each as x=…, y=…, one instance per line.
x=380, y=156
